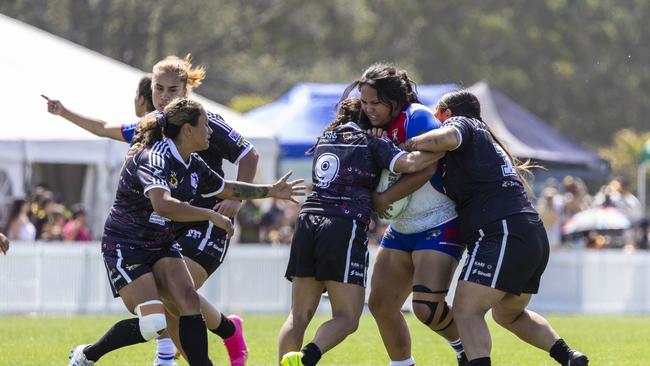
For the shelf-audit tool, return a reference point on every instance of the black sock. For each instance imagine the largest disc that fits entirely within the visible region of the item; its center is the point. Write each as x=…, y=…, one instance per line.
x=124, y=333
x=483, y=361
x=225, y=329
x=194, y=339
x=560, y=352
x=310, y=354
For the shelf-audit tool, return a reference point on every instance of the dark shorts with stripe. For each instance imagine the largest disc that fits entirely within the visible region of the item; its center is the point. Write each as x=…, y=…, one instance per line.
x=125, y=263
x=509, y=254
x=205, y=244
x=329, y=248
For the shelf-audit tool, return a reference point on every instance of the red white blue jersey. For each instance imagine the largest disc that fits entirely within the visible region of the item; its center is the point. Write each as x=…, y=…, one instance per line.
x=225, y=143
x=346, y=169
x=428, y=206
x=132, y=220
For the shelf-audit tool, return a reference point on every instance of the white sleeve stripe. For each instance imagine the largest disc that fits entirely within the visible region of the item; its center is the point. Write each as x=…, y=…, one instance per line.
x=460, y=137
x=391, y=167
x=218, y=120
x=152, y=186
x=211, y=194
x=246, y=151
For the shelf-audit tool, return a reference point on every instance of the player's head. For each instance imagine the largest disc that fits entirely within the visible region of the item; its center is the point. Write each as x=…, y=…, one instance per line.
x=385, y=90
x=143, y=102
x=458, y=103
x=174, y=77
x=183, y=120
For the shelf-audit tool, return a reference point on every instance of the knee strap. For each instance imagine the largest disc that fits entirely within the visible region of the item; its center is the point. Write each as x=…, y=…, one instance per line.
x=151, y=325
x=440, y=314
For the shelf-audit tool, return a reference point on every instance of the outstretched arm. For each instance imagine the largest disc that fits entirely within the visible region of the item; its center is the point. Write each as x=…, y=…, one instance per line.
x=92, y=125
x=280, y=189
x=438, y=140
x=245, y=173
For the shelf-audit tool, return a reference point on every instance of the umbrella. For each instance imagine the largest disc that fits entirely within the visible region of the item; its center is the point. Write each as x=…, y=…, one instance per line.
x=598, y=218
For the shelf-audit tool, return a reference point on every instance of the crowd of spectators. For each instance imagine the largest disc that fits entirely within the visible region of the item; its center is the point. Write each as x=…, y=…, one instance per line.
x=560, y=202
x=42, y=216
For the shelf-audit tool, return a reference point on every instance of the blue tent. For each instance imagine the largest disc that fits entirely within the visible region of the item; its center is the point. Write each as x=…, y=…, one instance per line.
x=300, y=115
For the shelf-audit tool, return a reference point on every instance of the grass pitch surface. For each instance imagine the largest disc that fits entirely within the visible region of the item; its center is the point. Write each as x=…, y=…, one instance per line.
x=607, y=340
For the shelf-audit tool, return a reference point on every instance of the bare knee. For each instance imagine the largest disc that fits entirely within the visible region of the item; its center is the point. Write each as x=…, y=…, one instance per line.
x=506, y=317
x=376, y=306
x=187, y=301
x=350, y=322
x=300, y=319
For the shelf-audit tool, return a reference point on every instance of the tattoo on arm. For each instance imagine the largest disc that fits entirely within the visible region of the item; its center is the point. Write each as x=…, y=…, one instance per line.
x=410, y=145
x=246, y=191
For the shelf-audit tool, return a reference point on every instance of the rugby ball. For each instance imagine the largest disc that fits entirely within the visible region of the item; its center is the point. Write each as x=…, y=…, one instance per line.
x=386, y=180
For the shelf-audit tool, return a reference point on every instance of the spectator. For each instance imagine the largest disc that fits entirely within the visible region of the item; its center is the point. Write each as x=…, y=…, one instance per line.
x=18, y=226
x=272, y=221
x=576, y=197
x=549, y=206
x=55, y=219
x=249, y=219
x=77, y=229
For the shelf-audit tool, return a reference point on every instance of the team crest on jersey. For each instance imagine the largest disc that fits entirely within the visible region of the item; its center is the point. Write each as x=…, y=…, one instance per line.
x=173, y=181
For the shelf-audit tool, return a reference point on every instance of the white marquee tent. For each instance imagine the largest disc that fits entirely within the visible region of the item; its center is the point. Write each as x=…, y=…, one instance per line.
x=37, y=62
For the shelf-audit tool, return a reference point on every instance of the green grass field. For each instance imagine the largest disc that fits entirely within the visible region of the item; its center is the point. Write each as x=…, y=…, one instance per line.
x=608, y=340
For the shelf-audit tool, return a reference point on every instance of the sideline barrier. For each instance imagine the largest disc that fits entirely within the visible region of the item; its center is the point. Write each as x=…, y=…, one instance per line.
x=71, y=279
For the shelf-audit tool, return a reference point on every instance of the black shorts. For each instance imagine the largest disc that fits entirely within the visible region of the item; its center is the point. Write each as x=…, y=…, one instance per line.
x=125, y=263
x=205, y=244
x=329, y=248
x=509, y=254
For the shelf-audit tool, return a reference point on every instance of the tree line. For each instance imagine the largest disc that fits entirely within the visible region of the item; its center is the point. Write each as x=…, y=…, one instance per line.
x=580, y=65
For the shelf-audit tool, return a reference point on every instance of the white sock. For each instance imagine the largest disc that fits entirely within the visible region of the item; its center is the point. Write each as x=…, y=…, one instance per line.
x=408, y=362
x=165, y=350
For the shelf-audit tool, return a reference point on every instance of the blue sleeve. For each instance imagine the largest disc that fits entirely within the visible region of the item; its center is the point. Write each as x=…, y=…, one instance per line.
x=128, y=130
x=421, y=121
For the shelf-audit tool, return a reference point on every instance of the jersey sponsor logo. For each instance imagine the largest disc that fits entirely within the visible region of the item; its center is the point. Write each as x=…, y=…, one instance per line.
x=192, y=233
x=394, y=137
x=154, y=218
x=194, y=180
x=329, y=136
x=481, y=273
x=327, y=169
x=356, y=273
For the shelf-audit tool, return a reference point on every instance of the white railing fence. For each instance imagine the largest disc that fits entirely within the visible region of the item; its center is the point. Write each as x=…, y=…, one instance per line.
x=71, y=278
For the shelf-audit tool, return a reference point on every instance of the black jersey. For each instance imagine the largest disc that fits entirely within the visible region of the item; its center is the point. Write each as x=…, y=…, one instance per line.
x=346, y=169
x=225, y=143
x=132, y=220
x=481, y=178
